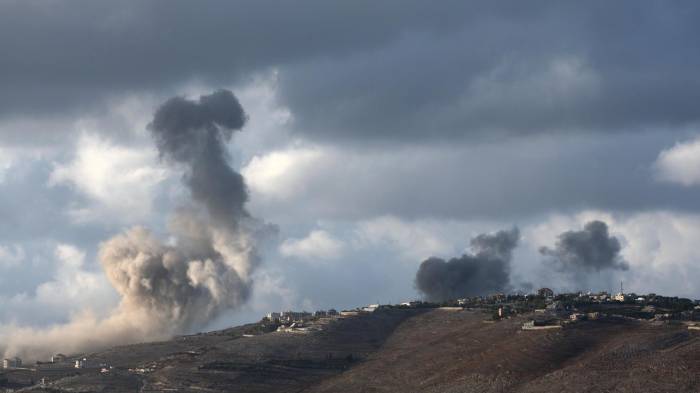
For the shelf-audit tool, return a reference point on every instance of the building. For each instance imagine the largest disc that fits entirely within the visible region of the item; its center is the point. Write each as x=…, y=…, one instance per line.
x=556, y=306
x=577, y=316
x=371, y=308
x=545, y=292
x=274, y=316
x=600, y=297
x=86, y=363
x=51, y=366
x=497, y=297
x=620, y=297
x=294, y=316
x=12, y=363
x=58, y=358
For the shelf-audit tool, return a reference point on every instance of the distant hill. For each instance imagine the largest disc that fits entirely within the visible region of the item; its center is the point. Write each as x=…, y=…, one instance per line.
x=406, y=350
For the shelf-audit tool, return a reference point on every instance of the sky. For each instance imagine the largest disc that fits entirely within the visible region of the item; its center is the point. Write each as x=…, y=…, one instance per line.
x=378, y=135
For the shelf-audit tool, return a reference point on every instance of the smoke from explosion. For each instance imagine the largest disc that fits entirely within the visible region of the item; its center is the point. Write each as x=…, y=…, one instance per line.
x=486, y=269
x=585, y=253
x=172, y=288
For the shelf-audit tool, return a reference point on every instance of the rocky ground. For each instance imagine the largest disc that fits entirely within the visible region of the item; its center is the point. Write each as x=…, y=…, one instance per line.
x=408, y=351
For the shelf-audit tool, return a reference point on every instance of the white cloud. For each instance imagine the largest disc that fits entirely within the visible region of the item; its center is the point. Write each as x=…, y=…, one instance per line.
x=11, y=255
x=73, y=285
x=6, y=160
x=281, y=174
x=413, y=242
x=71, y=288
x=318, y=245
x=680, y=163
x=417, y=240
x=120, y=180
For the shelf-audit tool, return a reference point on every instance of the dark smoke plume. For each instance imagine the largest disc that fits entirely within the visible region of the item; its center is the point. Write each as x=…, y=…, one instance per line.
x=589, y=250
x=194, y=134
x=176, y=287
x=485, y=270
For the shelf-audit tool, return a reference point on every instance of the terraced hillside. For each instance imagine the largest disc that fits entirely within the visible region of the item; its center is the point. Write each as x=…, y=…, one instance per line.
x=404, y=350
x=457, y=352
x=235, y=360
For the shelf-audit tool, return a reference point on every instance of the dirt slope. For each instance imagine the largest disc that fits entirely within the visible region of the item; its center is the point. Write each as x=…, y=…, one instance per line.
x=403, y=351
x=445, y=351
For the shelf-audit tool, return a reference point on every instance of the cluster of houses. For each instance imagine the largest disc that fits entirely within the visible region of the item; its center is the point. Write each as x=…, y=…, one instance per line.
x=299, y=316
x=12, y=363
x=301, y=321
x=58, y=362
x=572, y=307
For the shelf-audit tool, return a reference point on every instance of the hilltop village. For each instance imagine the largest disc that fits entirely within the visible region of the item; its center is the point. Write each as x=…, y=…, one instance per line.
x=547, y=309
x=542, y=310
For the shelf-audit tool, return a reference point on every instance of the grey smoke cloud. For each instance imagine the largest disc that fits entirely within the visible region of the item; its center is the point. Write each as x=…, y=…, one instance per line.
x=178, y=286
x=486, y=269
x=208, y=268
x=193, y=133
x=591, y=250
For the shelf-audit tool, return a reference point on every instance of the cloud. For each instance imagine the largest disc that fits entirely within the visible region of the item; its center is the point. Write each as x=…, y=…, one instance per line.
x=280, y=174
x=69, y=286
x=72, y=284
x=411, y=240
x=680, y=164
x=11, y=255
x=6, y=161
x=120, y=181
x=463, y=181
x=563, y=73
x=318, y=245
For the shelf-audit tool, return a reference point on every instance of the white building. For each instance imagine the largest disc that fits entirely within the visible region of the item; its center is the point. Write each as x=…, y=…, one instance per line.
x=274, y=316
x=12, y=363
x=58, y=358
x=85, y=363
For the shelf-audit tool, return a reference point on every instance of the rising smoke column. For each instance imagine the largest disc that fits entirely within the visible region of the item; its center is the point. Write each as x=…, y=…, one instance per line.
x=178, y=286
x=582, y=254
x=208, y=269
x=486, y=269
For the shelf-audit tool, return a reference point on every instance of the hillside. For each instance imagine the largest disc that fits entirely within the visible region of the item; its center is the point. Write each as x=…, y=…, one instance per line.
x=407, y=350
x=457, y=352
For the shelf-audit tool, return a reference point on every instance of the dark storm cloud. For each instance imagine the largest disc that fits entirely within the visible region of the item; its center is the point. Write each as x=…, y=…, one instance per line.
x=485, y=270
x=394, y=70
x=563, y=68
x=59, y=54
x=589, y=250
